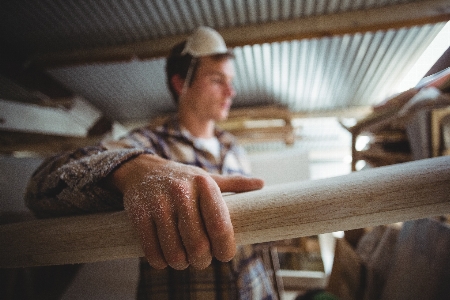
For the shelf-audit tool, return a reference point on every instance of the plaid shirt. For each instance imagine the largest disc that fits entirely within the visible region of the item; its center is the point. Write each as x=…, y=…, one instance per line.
x=70, y=183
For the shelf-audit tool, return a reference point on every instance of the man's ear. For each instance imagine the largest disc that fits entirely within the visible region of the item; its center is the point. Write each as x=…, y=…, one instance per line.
x=177, y=83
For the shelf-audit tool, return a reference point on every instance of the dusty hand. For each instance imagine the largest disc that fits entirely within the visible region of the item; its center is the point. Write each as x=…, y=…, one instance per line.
x=178, y=211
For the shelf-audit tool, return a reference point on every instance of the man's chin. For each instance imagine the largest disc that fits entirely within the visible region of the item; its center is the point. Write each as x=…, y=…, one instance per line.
x=223, y=116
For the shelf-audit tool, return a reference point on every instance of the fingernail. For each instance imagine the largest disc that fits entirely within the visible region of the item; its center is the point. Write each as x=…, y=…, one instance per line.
x=180, y=265
x=202, y=262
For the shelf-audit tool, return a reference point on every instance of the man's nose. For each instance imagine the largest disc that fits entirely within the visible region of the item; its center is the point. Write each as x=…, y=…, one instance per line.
x=231, y=92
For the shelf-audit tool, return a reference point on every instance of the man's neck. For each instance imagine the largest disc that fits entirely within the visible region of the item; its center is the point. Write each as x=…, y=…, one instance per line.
x=198, y=128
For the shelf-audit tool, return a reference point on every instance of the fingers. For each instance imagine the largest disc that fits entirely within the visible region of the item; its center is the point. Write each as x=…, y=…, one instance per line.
x=191, y=223
x=151, y=246
x=217, y=220
x=168, y=234
x=237, y=184
x=146, y=230
x=181, y=218
x=194, y=236
x=157, y=229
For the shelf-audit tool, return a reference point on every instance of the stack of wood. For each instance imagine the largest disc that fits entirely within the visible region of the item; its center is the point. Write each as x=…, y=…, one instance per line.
x=401, y=128
x=262, y=124
x=249, y=124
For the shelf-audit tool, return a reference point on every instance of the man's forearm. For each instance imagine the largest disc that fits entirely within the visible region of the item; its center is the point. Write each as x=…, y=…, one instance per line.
x=71, y=183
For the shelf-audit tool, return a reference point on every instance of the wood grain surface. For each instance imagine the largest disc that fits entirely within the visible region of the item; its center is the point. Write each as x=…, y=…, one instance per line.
x=373, y=197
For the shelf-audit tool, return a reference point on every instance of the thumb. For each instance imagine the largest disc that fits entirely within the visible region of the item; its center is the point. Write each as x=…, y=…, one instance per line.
x=237, y=183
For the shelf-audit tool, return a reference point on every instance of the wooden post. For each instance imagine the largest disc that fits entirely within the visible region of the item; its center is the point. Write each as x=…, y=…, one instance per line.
x=379, y=196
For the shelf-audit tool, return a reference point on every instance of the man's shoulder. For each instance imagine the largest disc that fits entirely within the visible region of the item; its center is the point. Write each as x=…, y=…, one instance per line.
x=155, y=127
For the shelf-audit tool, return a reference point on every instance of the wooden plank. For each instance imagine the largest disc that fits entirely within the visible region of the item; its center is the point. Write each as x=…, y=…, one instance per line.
x=26, y=144
x=356, y=112
x=383, y=195
x=238, y=116
x=75, y=121
x=436, y=129
x=380, y=18
x=261, y=112
x=299, y=280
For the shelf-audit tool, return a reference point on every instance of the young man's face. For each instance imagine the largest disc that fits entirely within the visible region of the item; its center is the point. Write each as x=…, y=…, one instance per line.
x=211, y=93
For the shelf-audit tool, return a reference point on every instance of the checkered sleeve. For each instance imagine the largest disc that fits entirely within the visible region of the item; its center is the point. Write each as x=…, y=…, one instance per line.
x=72, y=183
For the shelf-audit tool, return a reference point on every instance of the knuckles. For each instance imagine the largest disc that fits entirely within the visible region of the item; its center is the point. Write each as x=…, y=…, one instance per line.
x=165, y=198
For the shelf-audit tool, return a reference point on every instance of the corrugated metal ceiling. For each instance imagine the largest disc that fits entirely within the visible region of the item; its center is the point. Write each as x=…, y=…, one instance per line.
x=307, y=75
x=50, y=25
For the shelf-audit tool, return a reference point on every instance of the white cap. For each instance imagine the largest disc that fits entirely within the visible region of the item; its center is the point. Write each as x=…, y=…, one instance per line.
x=205, y=41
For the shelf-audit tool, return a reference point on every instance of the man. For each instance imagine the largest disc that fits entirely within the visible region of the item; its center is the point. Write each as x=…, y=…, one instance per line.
x=170, y=180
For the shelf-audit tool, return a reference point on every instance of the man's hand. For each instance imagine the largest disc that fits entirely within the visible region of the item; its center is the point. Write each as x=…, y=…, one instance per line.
x=178, y=210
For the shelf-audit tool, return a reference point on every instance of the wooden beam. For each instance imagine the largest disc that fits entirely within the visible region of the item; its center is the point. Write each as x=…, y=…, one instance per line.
x=300, y=280
x=352, y=112
x=262, y=131
x=265, y=134
x=26, y=144
x=373, y=19
x=260, y=112
x=239, y=115
x=379, y=196
x=382, y=18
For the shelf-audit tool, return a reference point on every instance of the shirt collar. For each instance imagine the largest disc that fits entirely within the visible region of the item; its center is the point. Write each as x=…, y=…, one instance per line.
x=173, y=127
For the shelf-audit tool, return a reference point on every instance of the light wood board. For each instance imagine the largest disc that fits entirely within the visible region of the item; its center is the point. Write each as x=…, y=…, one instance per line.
x=367, y=198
